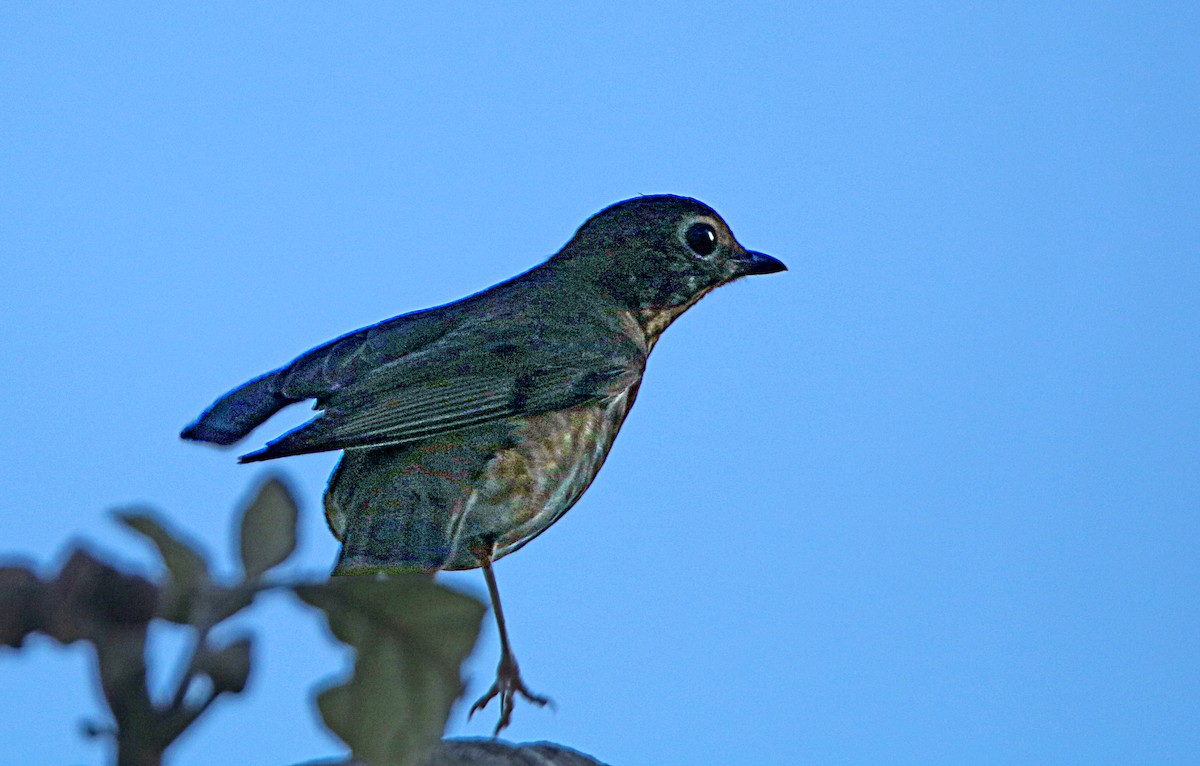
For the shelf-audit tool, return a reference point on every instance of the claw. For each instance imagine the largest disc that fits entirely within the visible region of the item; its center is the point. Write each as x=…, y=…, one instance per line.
x=508, y=686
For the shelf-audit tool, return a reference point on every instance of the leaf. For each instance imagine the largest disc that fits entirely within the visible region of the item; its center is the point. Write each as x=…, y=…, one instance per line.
x=411, y=637
x=185, y=565
x=222, y=603
x=92, y=600
x=268, y=533
x=22, y=600
x=228, y=666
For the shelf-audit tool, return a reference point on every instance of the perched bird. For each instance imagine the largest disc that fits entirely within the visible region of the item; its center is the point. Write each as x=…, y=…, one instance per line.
x=470, y=428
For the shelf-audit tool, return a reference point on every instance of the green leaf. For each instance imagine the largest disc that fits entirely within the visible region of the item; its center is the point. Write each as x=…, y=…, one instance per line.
x=186, y=567
x=268, y=533
x=411, y=637
x=184, y=562
x=22, y=603
x=222, y=603
x=228, y=666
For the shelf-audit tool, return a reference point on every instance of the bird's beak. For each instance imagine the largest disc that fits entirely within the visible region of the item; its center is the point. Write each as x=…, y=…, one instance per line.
x=758, y=263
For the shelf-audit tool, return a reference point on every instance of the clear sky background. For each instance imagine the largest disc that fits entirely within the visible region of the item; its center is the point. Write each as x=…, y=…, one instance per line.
x=930, y=497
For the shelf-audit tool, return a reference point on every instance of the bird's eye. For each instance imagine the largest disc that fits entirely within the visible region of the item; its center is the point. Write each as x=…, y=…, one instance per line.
x=701, y=238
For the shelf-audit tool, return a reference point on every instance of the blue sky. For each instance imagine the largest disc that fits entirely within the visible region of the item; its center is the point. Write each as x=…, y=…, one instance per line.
x=930, y=497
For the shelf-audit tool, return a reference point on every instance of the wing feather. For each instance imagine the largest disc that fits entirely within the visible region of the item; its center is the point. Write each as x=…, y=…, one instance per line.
x=363, y=416
x=537, y=350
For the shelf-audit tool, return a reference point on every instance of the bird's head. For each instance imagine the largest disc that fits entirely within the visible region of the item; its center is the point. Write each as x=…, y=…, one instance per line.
x=658, y=255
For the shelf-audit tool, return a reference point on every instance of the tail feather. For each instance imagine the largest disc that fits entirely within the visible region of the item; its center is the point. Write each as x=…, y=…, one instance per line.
x=239, y=412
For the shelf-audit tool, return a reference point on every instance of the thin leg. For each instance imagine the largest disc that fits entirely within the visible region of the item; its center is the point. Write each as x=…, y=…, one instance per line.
x=508, y=676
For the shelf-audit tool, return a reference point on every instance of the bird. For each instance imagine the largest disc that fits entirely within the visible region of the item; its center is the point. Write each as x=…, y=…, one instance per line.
x=468, y=429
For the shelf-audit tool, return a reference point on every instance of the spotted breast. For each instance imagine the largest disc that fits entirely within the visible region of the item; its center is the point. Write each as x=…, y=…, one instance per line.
x=425, y=506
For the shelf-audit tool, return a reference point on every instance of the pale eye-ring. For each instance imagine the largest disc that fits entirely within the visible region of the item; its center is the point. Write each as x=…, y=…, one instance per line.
x=701, y=238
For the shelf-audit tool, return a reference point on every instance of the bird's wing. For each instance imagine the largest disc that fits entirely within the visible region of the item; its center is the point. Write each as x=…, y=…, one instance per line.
x=464, y=379
x=330, y=367
x=319, y=372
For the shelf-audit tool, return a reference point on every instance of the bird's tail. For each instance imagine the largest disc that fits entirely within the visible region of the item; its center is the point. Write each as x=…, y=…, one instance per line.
x=240, y=411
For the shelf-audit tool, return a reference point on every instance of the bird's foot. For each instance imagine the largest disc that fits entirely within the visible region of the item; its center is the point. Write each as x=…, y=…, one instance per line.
x=507, y=686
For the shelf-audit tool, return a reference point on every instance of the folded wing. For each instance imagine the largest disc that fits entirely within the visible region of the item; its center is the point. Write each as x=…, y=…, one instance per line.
x=459, y=382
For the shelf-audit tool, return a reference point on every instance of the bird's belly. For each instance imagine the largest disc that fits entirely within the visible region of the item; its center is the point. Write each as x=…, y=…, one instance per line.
x=526, y=487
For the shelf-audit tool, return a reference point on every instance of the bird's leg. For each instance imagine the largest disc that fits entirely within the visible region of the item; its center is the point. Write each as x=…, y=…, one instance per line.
x=508, y=676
